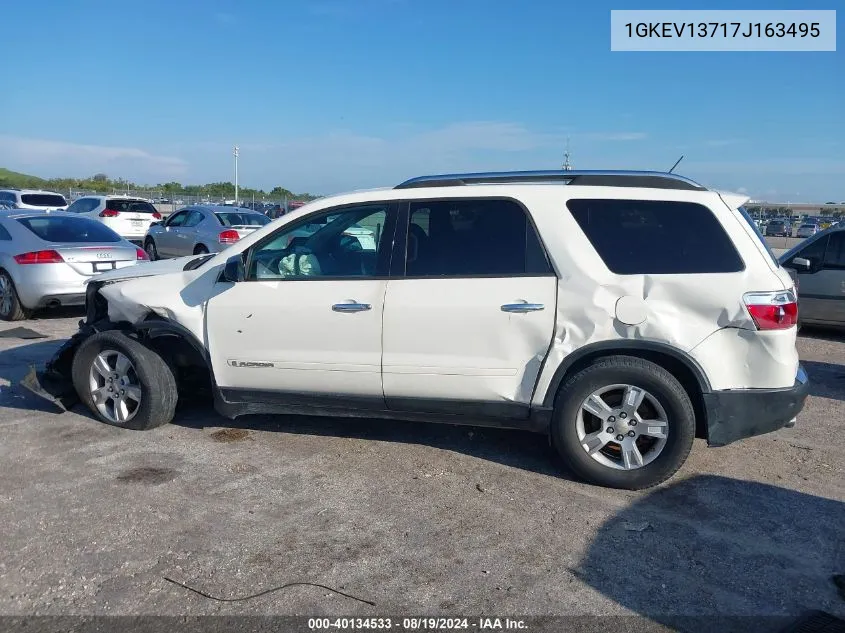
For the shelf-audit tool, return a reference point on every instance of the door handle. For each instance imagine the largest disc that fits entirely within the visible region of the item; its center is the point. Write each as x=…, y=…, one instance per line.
x=351, y=306
x=523, y=306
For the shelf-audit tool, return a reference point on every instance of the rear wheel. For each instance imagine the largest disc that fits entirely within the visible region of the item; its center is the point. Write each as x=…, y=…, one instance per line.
x=200, y=250
x=150, y=249
x=623, y=422
x=11, y=308
x=123, y=382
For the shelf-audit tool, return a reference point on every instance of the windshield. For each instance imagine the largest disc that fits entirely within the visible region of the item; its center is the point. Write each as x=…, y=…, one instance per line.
x=59, y=229
x=242, y=219
x=130, y=206
x=49, y=200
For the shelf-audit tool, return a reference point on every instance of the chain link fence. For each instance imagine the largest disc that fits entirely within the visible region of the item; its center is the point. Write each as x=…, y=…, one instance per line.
x=167, y=203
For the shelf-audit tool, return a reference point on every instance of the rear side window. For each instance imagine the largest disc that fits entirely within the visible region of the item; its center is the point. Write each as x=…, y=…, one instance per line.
x=130, y=206
x=472, y=237
x=49, y=200
x=653, y=237
x=242, y=219
x=58, y=229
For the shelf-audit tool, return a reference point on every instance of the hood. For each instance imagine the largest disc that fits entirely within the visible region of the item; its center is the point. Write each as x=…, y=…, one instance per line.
x=146, y=269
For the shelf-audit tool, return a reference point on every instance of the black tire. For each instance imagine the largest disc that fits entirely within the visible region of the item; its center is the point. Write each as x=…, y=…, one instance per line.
x=155, y=378
x=613, y=370
x=15, y=311
x=150, y=249
x=200, y=249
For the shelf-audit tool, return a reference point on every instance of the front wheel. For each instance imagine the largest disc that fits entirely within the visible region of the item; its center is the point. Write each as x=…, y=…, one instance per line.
x=123, y=382
x=623, y=422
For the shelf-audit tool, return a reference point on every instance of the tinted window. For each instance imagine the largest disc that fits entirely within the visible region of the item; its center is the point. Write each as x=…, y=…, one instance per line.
x=813, y=251
x=637, y=237
x=43, y=200
x=242, y=219
x=835, y=254
x=469, y=237
x=177, y=219
x=69, y=229
x=347, y=243
x=131, y=206
x=4, y=233
x=194, y=218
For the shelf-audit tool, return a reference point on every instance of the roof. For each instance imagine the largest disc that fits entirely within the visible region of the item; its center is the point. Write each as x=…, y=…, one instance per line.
x=595, y=178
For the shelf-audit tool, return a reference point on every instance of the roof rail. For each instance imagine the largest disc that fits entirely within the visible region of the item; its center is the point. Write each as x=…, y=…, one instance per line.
x=594, y=178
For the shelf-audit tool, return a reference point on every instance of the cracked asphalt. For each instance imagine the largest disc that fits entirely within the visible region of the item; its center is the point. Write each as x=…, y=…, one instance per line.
x=417, y=518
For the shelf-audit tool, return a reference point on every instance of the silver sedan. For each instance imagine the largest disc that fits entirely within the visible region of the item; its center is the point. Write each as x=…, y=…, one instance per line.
x=46, y=258
x=200, y=229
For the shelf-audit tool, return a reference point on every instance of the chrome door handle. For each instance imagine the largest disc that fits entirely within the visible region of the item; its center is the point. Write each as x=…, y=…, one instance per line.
x=351, y=306
x=523, y=306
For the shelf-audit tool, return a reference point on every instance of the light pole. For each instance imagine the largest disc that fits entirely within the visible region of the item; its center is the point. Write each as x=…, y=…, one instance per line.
x=235, y=154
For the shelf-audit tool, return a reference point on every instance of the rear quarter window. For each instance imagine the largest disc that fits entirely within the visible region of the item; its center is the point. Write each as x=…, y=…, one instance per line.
x=652, y=237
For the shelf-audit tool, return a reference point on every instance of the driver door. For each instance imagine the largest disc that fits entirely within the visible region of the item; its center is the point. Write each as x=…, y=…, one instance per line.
x=307, y=320
x=167, y=241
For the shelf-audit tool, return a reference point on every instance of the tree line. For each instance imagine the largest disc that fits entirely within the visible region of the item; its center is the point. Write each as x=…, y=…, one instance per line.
x=101, y=183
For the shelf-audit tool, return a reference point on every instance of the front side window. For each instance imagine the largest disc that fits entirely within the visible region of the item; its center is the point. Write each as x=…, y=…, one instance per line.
x=835, y=254
x=472, y=237
x=813, y=252
x=177, y=219
x=349, y=242
x=652, y=237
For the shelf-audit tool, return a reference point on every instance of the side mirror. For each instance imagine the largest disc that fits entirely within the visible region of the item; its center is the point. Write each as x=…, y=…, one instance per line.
x=233, y=270
x=802, y=265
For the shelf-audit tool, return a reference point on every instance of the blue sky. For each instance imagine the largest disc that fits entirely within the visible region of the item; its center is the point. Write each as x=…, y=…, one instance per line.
x=329, y=95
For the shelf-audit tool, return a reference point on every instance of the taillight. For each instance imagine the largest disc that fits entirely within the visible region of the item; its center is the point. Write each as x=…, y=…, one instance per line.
x=229, y=236
x=141, y=255
x=39, y=257
x=157, y=215
x=772, y=310
x=109, y=213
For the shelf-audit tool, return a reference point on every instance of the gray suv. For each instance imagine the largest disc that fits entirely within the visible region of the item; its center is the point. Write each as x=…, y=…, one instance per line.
x=818, y=267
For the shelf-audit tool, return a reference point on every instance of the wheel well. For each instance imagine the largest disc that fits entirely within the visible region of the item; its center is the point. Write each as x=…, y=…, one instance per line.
x=678, y=368
x=189, y=365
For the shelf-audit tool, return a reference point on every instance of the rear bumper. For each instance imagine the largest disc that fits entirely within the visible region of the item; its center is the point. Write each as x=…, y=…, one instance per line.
x=739, y=413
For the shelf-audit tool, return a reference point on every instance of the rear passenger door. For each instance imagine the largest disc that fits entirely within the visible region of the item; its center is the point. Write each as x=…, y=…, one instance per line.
x=470, y=309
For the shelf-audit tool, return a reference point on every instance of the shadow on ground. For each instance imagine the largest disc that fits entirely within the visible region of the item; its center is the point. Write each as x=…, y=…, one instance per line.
x=827, y=380
x=713, y=545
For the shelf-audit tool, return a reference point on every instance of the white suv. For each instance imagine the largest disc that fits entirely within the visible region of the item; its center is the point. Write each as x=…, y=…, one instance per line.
x=127, y=216
x=32, y=199
x=621, y=313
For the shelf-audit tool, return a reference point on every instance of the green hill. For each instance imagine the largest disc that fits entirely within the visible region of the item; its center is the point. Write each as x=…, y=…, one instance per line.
x=17, y=180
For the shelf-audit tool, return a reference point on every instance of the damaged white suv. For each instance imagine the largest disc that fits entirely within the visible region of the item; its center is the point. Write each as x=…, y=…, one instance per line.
x=621, y=313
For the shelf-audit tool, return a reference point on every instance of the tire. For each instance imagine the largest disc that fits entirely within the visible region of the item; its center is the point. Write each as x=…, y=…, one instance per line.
x=200, y=249
x=149, y=373
x=663, y=391
x=151, y=250
x=11, y=308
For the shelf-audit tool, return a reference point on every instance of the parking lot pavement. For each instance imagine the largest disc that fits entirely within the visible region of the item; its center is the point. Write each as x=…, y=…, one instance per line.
x=415, y=518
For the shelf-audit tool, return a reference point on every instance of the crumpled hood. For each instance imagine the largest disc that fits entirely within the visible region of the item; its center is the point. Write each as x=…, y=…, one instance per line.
x=145, y=269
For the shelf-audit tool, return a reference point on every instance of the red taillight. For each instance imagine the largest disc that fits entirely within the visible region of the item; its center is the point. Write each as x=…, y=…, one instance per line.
x=39, y=257
x=157, y=215
x=772, y=310
x=109, y=213
x=229, y=236
x=141, y=255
